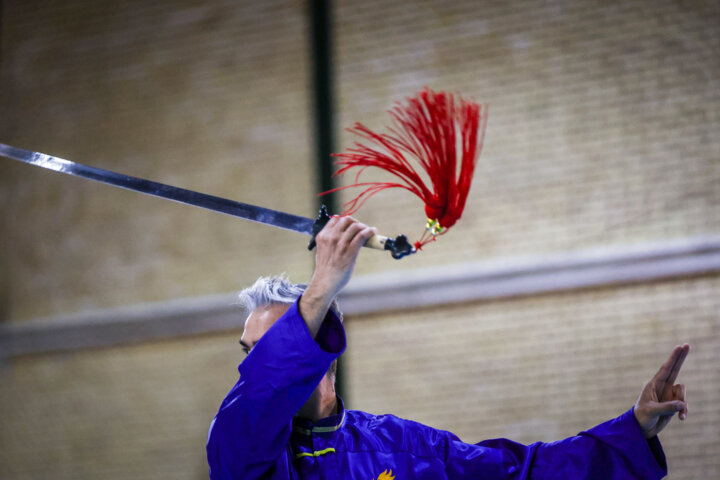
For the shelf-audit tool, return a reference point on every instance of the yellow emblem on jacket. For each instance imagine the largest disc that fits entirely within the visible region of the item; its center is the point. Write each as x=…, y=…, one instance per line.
x=386, y=475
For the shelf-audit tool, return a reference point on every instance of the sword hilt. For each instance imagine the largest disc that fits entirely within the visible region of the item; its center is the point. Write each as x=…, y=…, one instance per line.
x=398, y=247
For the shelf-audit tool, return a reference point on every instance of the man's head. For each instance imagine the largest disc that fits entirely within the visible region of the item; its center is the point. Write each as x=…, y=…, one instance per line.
x=265, y=302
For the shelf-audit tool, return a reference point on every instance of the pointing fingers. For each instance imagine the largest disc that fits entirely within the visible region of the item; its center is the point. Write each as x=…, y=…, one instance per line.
x=669, y=370
x=684, y=349
x=678, y=393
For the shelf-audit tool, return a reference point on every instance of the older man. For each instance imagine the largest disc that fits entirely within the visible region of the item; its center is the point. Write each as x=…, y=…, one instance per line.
x=283, y=420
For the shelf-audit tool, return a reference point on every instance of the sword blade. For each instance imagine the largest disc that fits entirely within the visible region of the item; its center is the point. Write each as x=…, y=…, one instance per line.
x=254, y=213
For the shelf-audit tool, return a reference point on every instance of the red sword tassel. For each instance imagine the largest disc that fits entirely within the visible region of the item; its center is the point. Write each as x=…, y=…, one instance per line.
x=441, y=134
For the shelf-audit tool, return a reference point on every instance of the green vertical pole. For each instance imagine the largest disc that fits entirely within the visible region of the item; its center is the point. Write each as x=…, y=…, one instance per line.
x=323, y=109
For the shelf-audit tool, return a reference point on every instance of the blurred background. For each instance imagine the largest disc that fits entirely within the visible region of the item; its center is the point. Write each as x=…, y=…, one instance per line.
x=589, y=247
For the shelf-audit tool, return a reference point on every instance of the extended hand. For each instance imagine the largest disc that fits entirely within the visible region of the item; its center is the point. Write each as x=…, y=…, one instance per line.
x=338, y=246
x=661, y=399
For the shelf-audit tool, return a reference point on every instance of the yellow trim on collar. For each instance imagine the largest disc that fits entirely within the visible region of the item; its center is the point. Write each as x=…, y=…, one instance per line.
x=316, y=453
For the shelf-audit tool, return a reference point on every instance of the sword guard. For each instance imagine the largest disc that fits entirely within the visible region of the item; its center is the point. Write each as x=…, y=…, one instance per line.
x=398, y=247
x=322, y=219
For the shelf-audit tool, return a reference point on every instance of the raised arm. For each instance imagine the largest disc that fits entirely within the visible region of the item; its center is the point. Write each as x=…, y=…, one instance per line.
x=338, y=245
x=249, y=435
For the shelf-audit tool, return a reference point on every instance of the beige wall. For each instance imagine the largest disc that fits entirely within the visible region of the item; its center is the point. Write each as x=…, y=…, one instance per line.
x=130, y=412
x=543, y=368
x=603, y=117
x=603, y=132
x=211, y=98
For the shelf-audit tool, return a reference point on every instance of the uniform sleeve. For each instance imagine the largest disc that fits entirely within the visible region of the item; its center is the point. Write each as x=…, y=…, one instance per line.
x=614, y=450
x=250, y=432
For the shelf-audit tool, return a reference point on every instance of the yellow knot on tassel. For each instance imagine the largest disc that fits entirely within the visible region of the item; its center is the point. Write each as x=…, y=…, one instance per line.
x=434, y=227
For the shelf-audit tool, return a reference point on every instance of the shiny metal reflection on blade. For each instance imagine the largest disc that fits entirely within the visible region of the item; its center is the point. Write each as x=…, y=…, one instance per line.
x=254, y=213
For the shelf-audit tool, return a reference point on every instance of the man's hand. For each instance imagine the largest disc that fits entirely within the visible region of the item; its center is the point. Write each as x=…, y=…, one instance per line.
x=661, y=399
x=338, y=246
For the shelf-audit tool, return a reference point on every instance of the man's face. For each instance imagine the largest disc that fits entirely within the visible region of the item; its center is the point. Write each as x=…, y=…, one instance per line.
x=259, y=322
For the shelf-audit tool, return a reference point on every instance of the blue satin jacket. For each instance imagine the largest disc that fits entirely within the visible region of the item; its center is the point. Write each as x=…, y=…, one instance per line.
x=254, y=434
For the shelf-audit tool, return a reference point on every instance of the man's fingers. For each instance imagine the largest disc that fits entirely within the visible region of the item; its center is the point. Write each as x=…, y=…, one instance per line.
x=684, y=349
x=672, y=364
x=678, y=393
x=360, y=234
x=660, y=399
x=351, y=231
x=338, y=223
x=335, y=228
x=664, y=370
x=667, y=408
x=345, y=232
x=366, y=234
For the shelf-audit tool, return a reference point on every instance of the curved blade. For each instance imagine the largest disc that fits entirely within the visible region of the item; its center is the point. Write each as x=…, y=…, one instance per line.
x=267, y=216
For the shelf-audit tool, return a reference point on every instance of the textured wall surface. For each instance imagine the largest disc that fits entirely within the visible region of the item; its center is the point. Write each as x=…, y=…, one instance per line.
x=211, y=98
x=132, y=412
x=544, y=368
x=603, y=131
x=603, y=117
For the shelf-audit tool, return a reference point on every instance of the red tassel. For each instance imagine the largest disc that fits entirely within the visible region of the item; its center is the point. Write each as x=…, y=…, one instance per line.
x=437, y=133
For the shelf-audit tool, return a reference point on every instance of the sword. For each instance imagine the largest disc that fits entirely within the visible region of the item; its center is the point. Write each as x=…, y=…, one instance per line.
x=398, y=247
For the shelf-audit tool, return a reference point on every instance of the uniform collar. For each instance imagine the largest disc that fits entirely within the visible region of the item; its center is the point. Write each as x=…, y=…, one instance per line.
x=324, y=425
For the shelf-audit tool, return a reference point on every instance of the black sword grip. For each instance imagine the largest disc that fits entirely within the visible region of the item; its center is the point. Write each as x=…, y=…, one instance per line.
x=399, y=247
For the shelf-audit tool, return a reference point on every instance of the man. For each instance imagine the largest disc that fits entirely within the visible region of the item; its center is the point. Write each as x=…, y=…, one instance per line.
x=282, y=419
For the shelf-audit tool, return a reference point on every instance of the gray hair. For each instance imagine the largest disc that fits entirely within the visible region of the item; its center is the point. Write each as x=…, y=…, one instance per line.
x=275, y=290
x=278, y=290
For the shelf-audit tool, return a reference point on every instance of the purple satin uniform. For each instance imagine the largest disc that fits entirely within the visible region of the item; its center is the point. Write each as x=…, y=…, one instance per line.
x=254, y=434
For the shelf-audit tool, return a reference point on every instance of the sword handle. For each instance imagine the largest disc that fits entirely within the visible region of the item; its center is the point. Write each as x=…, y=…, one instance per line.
x=377, y=242
x=399, y=247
